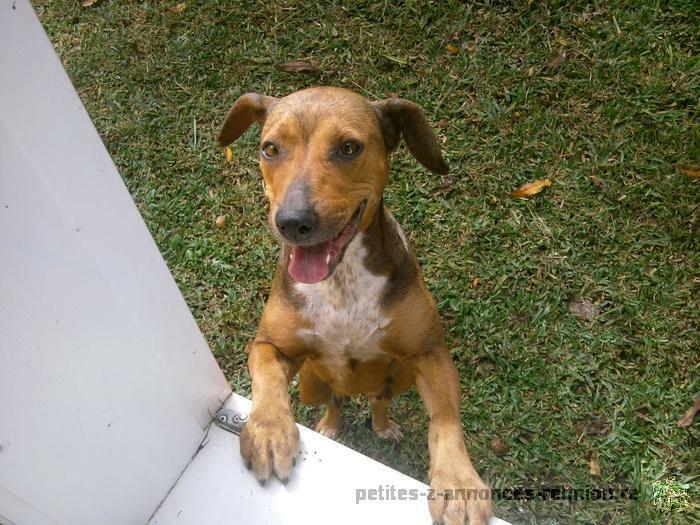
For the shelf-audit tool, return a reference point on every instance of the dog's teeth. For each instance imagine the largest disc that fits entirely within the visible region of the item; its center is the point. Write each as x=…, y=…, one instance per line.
x=328, y=258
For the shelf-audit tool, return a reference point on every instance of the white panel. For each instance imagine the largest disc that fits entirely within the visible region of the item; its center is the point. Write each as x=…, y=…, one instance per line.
x=106, y=382
x=11, y=505
x=45, y=115
x=217, y=488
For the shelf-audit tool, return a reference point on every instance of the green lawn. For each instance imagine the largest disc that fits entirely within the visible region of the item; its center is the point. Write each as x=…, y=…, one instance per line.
x=621, y=106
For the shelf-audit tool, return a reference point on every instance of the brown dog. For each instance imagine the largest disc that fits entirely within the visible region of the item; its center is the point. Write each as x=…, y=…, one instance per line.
x=348, y=307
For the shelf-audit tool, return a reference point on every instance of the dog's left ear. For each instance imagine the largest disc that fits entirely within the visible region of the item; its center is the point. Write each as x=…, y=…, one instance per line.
x=249, y=108
x=402, y=117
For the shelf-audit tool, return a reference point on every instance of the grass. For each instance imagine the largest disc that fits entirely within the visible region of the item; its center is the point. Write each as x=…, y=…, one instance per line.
x=623, y=106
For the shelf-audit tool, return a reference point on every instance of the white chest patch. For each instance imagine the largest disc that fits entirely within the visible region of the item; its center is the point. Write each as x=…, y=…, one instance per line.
x=344, y=310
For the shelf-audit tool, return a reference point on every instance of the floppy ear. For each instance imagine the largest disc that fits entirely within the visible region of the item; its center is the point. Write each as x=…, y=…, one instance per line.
x=402, y=117
x=249, y=108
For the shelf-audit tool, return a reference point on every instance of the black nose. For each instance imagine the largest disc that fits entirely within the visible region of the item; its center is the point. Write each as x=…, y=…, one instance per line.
x=297, y=224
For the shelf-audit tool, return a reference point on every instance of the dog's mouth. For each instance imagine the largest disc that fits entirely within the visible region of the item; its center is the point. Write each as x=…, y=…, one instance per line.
x=312, y=264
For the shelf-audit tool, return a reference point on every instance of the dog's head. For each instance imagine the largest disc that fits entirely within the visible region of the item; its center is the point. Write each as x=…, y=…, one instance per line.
x=324, y=157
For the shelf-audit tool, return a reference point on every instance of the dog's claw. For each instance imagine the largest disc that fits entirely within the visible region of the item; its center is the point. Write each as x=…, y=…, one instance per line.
x=475, y=509
x=268, y=448
x=324, y=428
x=329, y=432
x=392, y=432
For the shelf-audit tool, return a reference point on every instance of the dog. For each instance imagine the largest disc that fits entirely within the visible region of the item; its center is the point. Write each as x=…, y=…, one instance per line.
x=348, y=309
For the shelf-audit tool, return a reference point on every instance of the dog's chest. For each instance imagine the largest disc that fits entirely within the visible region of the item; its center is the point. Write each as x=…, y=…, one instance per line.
x=344, y=311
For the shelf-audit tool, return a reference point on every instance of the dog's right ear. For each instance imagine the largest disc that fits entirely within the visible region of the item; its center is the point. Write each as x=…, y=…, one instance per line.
x=249, y=108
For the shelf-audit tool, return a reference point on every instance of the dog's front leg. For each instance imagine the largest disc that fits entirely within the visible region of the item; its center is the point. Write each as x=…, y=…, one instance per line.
x=457, y=494
x=270, y=439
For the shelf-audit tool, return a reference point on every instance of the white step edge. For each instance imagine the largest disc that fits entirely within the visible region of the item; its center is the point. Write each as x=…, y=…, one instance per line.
x=325, y=487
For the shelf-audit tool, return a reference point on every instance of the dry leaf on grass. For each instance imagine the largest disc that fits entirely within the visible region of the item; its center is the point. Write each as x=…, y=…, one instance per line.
x=220, y=221
x=453, y=49
x=687, y=418
x=448, y=184
x=597, y=181
x=530, y=189
x=690, y=171
x=596, y=426
x=88, y=3
x=178, y=8
x=557, y=61
x=298, y=66
x=229, y=153
x=518, y=320
x=593, y=465
x=644, y=413
x=583, y=309
x=499, y=447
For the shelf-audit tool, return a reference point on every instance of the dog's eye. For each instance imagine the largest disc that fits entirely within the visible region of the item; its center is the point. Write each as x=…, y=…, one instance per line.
x=270, y=150
x=349, y=149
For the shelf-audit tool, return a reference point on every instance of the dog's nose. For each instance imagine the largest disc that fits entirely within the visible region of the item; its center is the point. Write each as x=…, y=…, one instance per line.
x=297, y=224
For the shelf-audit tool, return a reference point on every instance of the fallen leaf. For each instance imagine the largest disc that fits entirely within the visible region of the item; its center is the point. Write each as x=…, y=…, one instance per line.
x=690, y=171
x=596, y=426
x=475, y=282
x=593, y=465
x=448, y=184
x=597, y=181
x=442, y=123
x=532, y=188
x=393, y=95
x=499, y=447
x=687, y=418
x=298, y=66
x=229, y=153
x=88, y=3
x=643, y=413
x=220, y=221
x=178, y=8
x=581, y=388
x=453, y=49
x=557, y=60
x=583, y=309
x=518, y=320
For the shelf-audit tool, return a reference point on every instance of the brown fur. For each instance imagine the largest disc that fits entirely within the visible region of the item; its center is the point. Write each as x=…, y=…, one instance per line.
x=309, y=126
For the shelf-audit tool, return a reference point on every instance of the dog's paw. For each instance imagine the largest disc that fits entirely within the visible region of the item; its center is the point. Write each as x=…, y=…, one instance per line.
x=392, y=431
x=327, y=427
x=269, y=443
x=458, y=498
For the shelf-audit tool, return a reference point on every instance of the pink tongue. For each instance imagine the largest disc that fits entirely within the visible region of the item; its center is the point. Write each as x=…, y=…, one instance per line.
x=308, y=264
